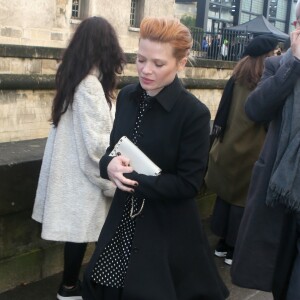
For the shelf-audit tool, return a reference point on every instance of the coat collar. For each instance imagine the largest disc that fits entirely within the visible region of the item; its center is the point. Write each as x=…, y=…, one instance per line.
x=168, y=96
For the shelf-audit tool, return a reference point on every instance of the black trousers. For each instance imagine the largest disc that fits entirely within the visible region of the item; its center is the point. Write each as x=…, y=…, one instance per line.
x=73, y=257
x=226, y=220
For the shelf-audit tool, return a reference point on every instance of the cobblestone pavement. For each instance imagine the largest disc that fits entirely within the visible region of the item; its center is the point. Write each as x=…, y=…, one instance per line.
x=46, y=289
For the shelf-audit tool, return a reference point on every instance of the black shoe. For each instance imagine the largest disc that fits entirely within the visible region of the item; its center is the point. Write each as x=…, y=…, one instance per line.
x=221, y=248
x=229, y=256
x=69, y=294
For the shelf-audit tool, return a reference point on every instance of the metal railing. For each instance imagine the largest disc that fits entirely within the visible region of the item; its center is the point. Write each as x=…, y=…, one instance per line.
x=225, y=45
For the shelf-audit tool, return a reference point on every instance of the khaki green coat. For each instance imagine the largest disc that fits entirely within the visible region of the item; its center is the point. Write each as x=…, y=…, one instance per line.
x=231, y=161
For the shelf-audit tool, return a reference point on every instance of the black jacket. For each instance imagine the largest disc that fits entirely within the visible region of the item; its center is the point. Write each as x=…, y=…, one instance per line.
x=170, y=257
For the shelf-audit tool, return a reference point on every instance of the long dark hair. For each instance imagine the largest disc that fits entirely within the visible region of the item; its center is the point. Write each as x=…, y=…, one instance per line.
x=94, y=44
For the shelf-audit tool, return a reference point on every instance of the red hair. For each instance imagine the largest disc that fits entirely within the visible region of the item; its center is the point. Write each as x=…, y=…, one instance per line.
x=168, y=30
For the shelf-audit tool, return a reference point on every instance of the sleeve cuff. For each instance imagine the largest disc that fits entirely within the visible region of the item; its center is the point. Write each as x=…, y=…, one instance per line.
x=297, y=65
x=104, y=161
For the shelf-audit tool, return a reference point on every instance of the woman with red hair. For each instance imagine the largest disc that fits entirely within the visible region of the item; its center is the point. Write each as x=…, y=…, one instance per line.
x=152, y=245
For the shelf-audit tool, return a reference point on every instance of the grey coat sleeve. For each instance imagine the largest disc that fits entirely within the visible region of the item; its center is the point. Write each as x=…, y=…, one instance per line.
x=92, y=127
x=276, y=84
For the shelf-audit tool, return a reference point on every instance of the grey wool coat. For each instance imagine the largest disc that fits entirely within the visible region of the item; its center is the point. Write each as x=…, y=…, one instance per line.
x=72, y=200
x=171, y=258
x=265, y=247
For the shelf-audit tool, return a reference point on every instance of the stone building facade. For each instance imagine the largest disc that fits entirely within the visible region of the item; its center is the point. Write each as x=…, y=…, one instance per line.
x=50, y=23
x=27, y=87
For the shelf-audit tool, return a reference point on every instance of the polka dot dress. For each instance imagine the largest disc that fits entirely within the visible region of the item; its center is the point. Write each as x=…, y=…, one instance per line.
x=111, y=267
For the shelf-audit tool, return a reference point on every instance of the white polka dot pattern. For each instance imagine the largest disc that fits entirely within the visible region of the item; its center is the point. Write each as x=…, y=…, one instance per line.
x=111, y=267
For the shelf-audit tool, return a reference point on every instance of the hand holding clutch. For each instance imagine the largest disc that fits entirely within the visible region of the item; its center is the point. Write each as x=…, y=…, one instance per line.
x=139, y=161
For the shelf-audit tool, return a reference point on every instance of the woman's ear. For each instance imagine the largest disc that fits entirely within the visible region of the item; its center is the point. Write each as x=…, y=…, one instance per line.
x=182, y=63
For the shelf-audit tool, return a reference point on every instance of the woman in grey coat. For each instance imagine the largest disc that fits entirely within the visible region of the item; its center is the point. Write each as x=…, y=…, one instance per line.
x=266, y=255
x=72, y=201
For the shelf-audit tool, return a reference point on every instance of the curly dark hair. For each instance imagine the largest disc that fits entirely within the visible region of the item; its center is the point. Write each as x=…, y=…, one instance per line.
x=94, y=44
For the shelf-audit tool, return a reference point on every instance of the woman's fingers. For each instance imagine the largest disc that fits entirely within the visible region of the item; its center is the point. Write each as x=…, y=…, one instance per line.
x=123, y=187
x=116, y=168
x=123, y=160
x=119, y=165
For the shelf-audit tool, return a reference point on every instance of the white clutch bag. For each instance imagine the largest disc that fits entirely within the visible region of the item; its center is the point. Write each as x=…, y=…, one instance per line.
x=139, y=161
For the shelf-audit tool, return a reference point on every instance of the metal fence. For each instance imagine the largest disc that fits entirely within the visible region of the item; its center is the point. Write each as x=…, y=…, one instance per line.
x=226, y=45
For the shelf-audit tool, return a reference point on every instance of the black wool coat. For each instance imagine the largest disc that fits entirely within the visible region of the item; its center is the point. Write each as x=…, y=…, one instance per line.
x=266, y=243
x=171, y=258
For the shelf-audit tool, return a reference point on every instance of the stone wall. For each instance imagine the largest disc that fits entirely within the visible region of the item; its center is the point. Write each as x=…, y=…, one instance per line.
x=27, y=87
x=24, y=256
x=49, y=23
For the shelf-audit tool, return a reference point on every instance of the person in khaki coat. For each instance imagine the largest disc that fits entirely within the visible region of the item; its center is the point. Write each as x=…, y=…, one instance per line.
x=236, y=146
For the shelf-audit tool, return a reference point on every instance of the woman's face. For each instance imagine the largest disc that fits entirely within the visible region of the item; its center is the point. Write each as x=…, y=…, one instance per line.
x=156, y=65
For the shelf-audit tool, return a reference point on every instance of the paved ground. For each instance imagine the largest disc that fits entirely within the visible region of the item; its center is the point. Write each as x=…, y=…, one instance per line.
x=46, y=289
